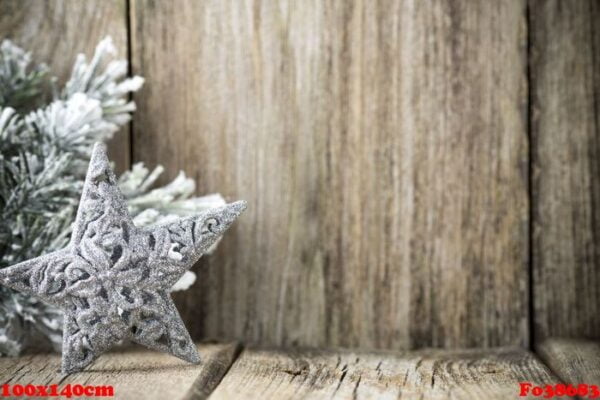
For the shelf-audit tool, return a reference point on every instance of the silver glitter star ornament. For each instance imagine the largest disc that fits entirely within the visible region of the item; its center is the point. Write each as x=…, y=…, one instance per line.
x=112, y=281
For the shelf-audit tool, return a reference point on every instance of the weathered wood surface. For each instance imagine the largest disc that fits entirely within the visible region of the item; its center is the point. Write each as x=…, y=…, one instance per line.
x=575, y=361
x=382, y=147
x=565, y=88
x=134, y=373
x=55, y=31
x=297, y=374
x=214, y=371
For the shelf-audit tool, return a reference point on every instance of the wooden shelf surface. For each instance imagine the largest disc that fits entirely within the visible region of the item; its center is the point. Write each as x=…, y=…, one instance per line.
x=228, y=372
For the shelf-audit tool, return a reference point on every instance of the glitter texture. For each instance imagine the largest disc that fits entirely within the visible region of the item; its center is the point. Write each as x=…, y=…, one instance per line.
x=112, y=281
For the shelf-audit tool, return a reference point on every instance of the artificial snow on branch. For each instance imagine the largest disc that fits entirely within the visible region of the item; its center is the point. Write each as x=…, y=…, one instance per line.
x=21, y=84
x=45, y=144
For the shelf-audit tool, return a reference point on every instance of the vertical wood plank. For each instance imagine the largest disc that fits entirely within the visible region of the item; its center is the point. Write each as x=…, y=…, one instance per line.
x=382, y=147
x=565, y=87
x=55, y=31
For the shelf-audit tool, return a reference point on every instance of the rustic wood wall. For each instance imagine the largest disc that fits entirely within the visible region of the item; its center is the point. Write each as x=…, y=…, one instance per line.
x=565, y=133
x=382, y=148
x=414, y=170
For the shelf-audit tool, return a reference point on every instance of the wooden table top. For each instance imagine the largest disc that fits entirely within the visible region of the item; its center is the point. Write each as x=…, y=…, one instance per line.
x=230, y=371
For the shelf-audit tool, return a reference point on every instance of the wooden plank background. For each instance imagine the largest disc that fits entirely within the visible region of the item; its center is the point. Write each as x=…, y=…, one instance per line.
x=382, y=149
x=565, y=71
x=394, y=154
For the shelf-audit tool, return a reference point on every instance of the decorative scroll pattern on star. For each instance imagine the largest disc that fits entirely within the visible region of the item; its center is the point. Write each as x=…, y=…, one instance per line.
x=112, y=280
x=46, y=276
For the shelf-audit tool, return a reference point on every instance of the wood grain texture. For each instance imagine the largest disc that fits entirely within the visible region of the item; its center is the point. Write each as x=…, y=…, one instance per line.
x=55, y=31
x=134, y=373
x=565, y=88
x=575, y=361
x=431, y=374
x=382, y=148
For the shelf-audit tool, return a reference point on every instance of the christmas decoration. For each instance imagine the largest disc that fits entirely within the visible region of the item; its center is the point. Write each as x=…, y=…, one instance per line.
x=46, y=138
x=112, y=279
